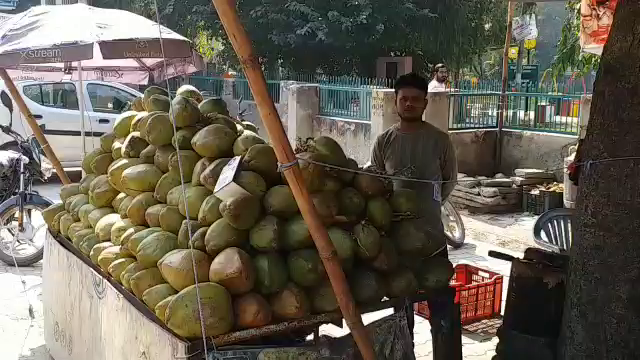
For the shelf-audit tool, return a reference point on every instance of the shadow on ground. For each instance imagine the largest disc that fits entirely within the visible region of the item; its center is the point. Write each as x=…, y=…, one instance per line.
x=37, y=353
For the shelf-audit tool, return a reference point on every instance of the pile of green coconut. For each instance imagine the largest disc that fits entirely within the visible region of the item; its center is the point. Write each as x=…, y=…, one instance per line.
x=252, y=255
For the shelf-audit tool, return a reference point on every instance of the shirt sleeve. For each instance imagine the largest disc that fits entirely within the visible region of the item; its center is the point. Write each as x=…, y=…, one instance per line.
x=449, y=169
x=377, y=157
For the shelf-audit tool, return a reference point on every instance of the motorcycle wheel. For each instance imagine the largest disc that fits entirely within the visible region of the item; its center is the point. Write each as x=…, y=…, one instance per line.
x=34, y=226
x=453, y=226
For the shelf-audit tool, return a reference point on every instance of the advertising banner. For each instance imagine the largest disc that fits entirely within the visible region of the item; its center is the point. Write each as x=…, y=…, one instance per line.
x=596, y=17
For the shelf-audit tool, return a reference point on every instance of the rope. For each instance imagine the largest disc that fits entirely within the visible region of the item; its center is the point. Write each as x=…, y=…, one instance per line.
x=587, y=164
x=182, y=187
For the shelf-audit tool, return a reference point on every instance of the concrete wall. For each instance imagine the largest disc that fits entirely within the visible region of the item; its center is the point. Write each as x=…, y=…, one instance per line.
x=354, y=136
x=476, y=151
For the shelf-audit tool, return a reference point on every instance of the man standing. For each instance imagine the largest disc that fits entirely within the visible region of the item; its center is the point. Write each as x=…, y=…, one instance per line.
x=418, y=150
x=439, y=82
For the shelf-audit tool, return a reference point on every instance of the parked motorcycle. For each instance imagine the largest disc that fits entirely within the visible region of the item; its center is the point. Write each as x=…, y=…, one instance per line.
x=453, y=225
x=22, y=228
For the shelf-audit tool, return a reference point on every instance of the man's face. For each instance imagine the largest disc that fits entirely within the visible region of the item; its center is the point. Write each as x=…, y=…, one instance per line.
x=411, y=104
x=442, y=75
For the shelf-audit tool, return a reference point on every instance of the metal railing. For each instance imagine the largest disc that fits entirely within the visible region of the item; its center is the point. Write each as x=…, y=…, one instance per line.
x=212, y=86
x=241, y=89
x=345, y=102
x=557, y=113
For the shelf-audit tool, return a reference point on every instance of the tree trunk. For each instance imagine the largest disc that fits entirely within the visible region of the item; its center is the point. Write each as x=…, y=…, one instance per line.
x=602, y=310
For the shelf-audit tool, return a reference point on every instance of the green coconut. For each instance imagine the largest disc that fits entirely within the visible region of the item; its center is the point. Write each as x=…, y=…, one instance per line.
x=183, y=233
x=117, y=201
x=97, y=214
x=177, y=267
x=222, y=235
x=313, y=174
x=265, y=235
x=187, y=162
x=182, y=139
x=252, y=182
x=155, y=294
x=140, y=178
x=49, y=213
x=122, y=125
x=242, y=211
x=101, y=163
x=326, y=205
x=98, y=249
x=133, y=145
x=404, y=201
x=271, y=273
x=347, y=176
x=344, y=244
x=145, y=279
x=332, y=185
x=154, y=247
x=149, y=92
x=138, y=104
x=184, y=112
x=171, y=219
x=368, y=241
x=85, y=183
x=174, y=195
x=88, y=243
x=210, y=175
x=159, y=130
x=117, y=168
x=366, y=285
x=379, y=213
x=116, y=148
x=158, y=103
x=109, y=255
x=200, y=167
x=55, y=223
x=401, y=283
x=295, y=234
x=106, y=141
x=102, y=193
x=81, y=235
x=387, y=259
x=148, y=154
x=213, y=119
x=369, y=186
x=233, y=269
x=124, y=206
x=412, y=237
x=128, y=272
x=305, y=267
x=330, y=149
x=139, y=206
x=209, y=210
x=323, y=299
x=74, y=229
x=104, y=225
x=75, y=203
x=251, y=310
x=144, y=121
x=279, y=201
x=161, y=307
x=351, y=202
x=135, y=123
x=214, y=105
x=435, y=273
x=67, y=191
x=190, y=204
x=167, y=182
x=214, y=141
x=161, y=158
x=190, y=92
x=261, y=159
x=128, y=234
x=118, y=229
x=250, y=126
x=290, y=303
x=182, y=314
x=137, y=238
x=118, y=266
x=88, y=159
x=152, y=215
x=245, y=141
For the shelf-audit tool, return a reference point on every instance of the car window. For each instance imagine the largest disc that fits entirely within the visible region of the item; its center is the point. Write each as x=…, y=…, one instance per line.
x=108, y=99
x=56, y=95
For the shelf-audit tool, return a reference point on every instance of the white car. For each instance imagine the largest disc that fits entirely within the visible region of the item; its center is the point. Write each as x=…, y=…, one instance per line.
x=55, y=107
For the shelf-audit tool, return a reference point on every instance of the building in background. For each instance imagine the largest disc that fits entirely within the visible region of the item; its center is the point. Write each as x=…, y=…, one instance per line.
x=62, y=2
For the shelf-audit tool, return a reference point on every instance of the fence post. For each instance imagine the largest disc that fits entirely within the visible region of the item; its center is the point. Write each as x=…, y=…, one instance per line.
x=585, y=113
x=383, y=111
x=303, y=107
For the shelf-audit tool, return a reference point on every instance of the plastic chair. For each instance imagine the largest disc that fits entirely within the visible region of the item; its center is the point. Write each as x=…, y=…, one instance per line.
x=552, y=231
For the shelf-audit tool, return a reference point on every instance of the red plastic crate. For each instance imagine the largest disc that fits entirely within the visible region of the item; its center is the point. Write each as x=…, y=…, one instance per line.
x=478, y=291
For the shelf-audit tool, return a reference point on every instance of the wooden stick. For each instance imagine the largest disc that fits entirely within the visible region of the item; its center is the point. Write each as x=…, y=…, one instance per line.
x=502, y=105
x=15, y=94
x=284, y=152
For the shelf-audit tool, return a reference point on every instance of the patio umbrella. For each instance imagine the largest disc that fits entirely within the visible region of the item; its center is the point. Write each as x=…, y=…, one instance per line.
x=81, y=42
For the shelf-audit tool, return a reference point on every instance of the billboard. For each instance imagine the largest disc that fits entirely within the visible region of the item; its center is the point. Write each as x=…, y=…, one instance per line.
x=596, y=18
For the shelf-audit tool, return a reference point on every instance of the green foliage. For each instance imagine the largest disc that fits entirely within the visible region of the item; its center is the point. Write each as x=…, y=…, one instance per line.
x=569, y=55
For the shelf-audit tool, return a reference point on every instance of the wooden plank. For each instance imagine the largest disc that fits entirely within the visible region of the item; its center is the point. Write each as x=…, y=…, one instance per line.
x=85, y=317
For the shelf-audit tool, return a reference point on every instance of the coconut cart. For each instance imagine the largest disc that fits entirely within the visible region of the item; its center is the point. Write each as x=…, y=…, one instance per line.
x=89, y=314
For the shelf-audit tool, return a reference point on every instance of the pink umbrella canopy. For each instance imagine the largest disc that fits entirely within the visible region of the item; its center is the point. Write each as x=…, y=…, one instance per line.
x=47, y=42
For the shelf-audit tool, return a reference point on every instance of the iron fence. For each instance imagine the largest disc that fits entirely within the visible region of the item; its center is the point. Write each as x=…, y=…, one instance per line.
x=345, y=102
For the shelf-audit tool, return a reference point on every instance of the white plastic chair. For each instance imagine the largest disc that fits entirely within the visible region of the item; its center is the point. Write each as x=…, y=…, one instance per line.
x=553, y=232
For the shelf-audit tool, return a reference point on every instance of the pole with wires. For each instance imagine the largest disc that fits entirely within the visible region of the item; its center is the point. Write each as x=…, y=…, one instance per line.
x=242, y=46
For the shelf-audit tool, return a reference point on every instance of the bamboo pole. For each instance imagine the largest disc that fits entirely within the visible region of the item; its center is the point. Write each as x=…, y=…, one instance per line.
x=48, y=151
x=502, y=105
x=242, y=46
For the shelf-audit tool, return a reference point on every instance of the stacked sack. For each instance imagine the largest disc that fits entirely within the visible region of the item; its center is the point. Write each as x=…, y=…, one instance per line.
x=253, y=256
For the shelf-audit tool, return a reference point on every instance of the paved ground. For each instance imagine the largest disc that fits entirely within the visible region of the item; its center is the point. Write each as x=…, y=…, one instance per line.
x=22, y=337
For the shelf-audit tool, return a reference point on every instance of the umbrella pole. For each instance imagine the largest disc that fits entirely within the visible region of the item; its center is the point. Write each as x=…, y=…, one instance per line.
x=15, y=94
x=81, y=108
x=242, y=46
